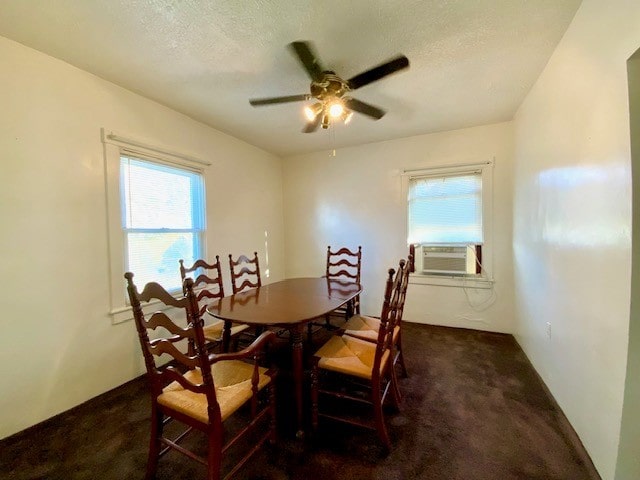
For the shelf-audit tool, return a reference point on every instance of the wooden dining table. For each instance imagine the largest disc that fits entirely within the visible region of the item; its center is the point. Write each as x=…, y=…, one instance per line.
x=289, y=304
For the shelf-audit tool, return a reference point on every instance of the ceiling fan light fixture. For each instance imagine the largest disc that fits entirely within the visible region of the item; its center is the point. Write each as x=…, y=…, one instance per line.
x=312, y=111
x=336, y=109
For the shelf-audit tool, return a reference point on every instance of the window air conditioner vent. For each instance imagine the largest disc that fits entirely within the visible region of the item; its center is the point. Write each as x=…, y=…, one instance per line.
x=452, y=260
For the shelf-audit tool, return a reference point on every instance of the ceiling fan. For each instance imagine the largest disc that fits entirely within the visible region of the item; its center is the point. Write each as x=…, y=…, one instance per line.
x=331, y=91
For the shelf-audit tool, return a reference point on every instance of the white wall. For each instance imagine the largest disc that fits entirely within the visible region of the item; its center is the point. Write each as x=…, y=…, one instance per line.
x=572, y=222
x=628, y=464
x=356, y=198
x=58, y=347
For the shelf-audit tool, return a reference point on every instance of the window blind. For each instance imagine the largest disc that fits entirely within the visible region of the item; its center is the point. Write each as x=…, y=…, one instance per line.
x=446, y=209
x=162, y=219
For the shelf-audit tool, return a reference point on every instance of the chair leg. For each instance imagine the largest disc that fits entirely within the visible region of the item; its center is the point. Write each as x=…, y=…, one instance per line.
x=314, y=396
x=310, y=333
x=154, y=442
x=214, y=455
x=397, y=397
x=400, y=356
x=376, y=399
x=273, y=432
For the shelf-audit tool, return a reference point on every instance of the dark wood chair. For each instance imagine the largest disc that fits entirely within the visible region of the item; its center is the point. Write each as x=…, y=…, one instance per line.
x=366, y=327
x=345, y=265
x=245, y=272
x=198, y=389
x=355, y=369
x=209, y=289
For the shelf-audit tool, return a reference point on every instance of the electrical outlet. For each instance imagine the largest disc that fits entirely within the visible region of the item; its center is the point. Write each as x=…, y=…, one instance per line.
x=548, y=329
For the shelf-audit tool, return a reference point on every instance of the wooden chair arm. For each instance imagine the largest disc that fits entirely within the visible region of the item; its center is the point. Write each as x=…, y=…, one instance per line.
x=251, y=350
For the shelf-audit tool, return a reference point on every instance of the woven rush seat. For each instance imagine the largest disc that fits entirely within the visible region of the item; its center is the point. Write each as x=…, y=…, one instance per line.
x=213, y=332
x=232, y=381
x=366, y=327
x=350, y=355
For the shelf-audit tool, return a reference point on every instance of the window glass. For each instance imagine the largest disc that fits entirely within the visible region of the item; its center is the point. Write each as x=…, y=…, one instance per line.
x=162, y=219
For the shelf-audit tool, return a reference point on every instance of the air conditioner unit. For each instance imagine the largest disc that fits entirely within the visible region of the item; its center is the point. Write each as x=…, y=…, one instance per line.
x=447, y=259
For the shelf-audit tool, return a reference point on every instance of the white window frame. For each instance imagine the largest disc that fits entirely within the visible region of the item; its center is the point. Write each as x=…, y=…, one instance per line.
x=485, y=278
x=115, y=146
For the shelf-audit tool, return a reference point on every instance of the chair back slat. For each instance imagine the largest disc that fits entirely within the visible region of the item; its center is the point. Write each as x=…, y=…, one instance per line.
x=345, y=251
x=245, y=272
x=198, y=264
x=154, y=291
x=166, y=346
x=207, y=294
x=204, y=279
x=246, y=284
x=160, y=319
x=343, y=261
x=344, y=273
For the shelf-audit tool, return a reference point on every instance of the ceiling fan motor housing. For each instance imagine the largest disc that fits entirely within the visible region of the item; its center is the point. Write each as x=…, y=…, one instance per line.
x=329, y=87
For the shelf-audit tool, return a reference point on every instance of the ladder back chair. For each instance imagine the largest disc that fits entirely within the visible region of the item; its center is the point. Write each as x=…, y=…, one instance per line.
x=198, y=389
x=209, y=289
x=367, y=366
x=245, y=273
x=345, y=265
x=366, y=327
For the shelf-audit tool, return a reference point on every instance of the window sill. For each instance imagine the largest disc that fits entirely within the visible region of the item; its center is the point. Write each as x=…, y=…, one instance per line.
x=451, y=281
x=124, y=314
x=121, y=315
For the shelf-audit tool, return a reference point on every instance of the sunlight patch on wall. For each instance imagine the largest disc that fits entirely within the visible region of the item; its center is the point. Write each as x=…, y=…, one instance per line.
x=585, y=206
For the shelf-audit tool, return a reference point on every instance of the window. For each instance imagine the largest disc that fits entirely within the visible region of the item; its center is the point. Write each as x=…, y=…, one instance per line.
x=155, y=215
x=447, y=210
x=162, y=219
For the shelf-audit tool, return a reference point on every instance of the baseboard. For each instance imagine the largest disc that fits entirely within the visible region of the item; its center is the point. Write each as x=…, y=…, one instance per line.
x=567, y=429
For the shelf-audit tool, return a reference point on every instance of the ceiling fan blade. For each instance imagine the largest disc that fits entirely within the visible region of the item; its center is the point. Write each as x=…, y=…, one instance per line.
x=313, y=125
x=308, y=59
x=365, y=108
x=257, y=102
x=376, y=73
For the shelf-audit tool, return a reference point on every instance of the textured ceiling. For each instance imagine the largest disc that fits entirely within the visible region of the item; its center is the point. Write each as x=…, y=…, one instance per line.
x=472, y=61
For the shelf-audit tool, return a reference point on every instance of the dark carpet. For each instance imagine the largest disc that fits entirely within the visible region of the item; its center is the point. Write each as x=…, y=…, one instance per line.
x=473, y=408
